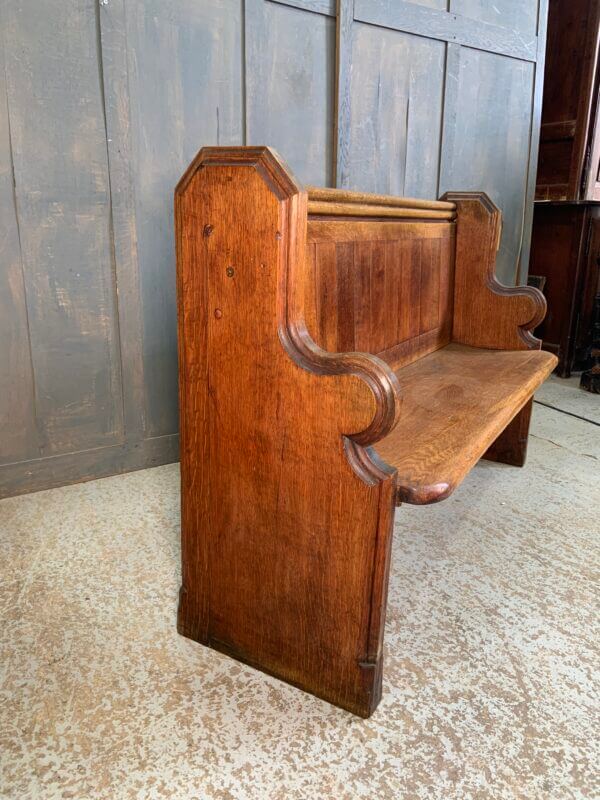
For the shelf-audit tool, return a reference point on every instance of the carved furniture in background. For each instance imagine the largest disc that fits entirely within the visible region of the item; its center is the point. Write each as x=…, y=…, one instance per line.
x=339, y=354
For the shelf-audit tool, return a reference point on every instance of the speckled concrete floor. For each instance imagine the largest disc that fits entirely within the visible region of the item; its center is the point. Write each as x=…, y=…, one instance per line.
x=490, y=685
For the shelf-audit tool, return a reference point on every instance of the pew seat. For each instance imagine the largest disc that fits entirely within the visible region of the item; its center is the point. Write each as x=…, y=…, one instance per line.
x=456, y=401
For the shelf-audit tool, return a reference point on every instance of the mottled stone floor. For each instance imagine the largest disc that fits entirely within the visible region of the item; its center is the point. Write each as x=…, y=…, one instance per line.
x=490, y=686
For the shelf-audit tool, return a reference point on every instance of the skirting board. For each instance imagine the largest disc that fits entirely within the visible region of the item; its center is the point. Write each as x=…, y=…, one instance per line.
x=86, y=465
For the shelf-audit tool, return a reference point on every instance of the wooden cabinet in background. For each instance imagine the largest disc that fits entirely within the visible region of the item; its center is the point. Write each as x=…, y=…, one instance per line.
x=569, y=152
x=565, y=243
x=565, y=249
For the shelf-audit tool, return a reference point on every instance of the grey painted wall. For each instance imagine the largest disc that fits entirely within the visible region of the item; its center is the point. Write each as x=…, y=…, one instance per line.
x=103, y=103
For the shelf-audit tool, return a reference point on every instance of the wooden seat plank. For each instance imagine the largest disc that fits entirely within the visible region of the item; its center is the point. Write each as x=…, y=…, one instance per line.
x=455, y=403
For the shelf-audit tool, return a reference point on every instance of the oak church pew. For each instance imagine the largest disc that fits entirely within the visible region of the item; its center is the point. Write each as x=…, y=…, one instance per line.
x=340, y=354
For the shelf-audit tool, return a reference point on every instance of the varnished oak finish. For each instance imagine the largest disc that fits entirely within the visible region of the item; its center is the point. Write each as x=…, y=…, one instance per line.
x=455, y=403
x=303, y=340
x=511, y=446
x=380, y=287
x=286, y=518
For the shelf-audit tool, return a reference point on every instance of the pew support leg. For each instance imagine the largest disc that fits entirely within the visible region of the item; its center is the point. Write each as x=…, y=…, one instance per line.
x=511, y=446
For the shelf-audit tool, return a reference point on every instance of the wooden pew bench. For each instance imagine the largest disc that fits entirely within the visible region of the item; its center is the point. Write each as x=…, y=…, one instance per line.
x=339, y=354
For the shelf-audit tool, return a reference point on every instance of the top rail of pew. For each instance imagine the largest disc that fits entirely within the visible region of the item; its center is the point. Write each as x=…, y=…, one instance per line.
x=344, y=203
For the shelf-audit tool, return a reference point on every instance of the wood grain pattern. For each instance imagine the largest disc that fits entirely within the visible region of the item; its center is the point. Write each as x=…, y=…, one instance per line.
x=463, y=29
x=517, y=16
x=36, y=474
x=442, y=99
x=323, y=209
x=343, y=70
x=169, y=44
x=122, y=168
x=490, y=141
x=396, y=112
x=156, y=80
x=18, y=434
x=285, y=566
x=316, y=193
x=487, y=313
x=382, y=287
x=455, y=403
x=326, y=7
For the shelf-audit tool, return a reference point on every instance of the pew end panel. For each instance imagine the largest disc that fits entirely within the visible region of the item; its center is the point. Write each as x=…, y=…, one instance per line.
x=286, y=510
x=486, y=313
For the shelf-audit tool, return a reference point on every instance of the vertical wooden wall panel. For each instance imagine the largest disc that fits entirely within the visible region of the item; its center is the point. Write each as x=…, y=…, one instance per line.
x=441, y=5
x=185, y=91
x=61, y=186
x=474, y=70
x=389, y=292
x=396, y=112
x=18, y=436
x=290, y=59
x=489, y=148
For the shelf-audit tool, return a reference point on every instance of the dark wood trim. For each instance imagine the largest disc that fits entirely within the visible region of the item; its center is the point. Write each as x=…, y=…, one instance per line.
x=556, y=131
x=587, y=102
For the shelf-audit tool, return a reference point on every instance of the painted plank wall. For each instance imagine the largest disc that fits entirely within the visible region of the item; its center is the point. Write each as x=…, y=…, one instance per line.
x=103, y=103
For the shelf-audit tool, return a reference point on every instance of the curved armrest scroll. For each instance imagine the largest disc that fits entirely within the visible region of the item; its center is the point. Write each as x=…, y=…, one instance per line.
x=372, y=370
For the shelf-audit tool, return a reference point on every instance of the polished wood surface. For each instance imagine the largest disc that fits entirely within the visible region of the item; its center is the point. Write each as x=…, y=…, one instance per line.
x=455, y=403
x=344, y=203
x=286, y=520
x=317, y=208
x=319, y=385
x=388, y=289
x=486, y=313
x=316, y=193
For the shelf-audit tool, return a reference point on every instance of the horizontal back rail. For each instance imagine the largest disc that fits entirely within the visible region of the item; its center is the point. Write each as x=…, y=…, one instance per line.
x=319, y=208
x=345, y=197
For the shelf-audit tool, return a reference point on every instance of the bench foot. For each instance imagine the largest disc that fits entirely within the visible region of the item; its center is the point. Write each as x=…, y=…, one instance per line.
x=511, y=446
x=359, y=693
